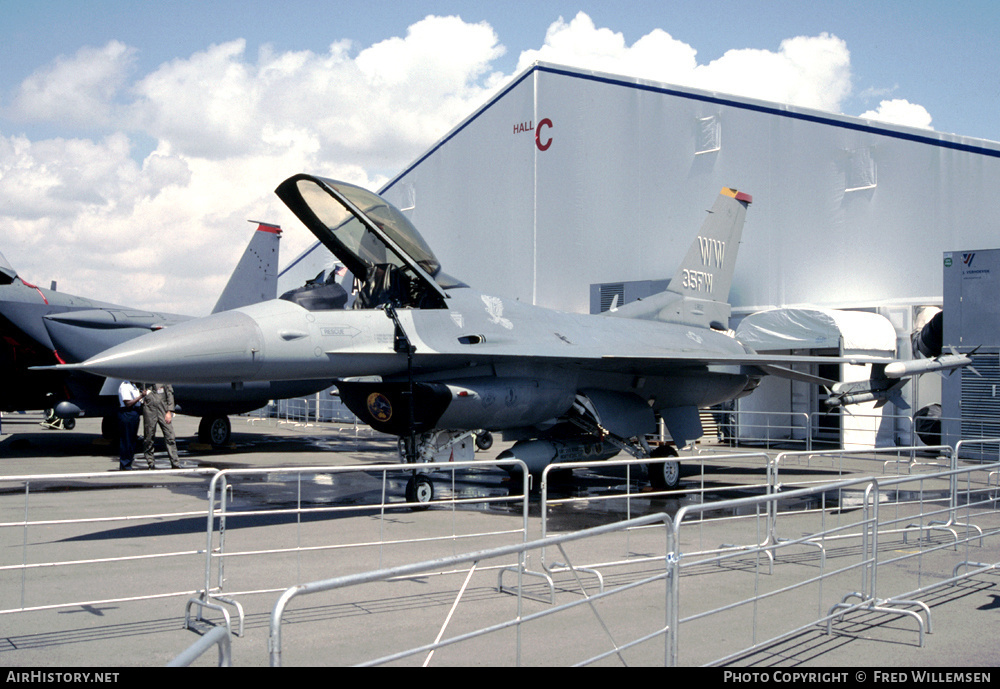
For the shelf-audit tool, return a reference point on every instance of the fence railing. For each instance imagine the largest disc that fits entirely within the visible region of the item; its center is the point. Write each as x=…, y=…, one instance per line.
x=761, y=428
x=785, y=430
x=839, y=566
x=944, y=512
x=758, y=472
x=217, y=594
x=37, y=557
x=516, y=621
x=841, y=560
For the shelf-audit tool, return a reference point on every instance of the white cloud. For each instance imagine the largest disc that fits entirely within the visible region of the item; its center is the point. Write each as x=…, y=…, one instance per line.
x=579, y=43
x=390, y=100
x=79, y=91
x=811, y=72
x=165, y=232
x=164, y=229
x=900, y=111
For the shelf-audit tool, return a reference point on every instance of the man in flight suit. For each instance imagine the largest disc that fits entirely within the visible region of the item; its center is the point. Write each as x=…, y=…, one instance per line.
x=158, y=409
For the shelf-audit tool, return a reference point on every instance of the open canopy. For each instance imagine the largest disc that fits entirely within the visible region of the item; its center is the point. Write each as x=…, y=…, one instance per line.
x=371, y=236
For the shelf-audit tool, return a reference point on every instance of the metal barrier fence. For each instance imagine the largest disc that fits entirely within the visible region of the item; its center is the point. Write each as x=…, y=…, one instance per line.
x=909, y=457
x=760, y=472
x=942, y=510
x=516, y=621
x=637, y=498
x=738, y=427
x=844, y=559
x=35, y=539
x=216, y=595
x=37, y=557
x=217, y=636
x=318, y=408
x=302, y=413
x=838, y=564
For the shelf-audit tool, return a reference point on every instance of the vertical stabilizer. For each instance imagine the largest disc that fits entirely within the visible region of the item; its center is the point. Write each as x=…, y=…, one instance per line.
x=255, y=278
x=707, y=271
x=7, y=272
x=698, y=293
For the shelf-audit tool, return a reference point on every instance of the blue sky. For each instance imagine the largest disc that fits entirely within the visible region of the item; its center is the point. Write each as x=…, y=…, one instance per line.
x=942, y=55
x=157, y=128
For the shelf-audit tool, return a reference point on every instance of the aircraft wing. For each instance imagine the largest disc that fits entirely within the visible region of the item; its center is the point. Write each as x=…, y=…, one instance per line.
x=759, y=365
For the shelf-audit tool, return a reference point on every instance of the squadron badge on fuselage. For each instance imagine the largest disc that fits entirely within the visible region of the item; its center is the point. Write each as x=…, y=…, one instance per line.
x=379, y=407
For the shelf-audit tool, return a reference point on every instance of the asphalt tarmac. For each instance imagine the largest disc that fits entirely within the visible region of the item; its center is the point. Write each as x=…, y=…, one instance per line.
x=131, y=553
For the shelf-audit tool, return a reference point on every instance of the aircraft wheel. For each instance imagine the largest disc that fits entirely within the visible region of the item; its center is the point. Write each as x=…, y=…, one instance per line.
x=419, y=490
x=484, y=440
x=69, y=424
x=215, y=430
x=664, y=475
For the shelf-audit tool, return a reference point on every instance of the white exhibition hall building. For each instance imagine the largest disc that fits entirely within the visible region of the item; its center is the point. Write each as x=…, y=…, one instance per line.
x=569, y=184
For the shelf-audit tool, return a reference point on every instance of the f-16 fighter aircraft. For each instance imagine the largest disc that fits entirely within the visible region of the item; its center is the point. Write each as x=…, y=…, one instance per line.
x=427, y=358
x=42, y=326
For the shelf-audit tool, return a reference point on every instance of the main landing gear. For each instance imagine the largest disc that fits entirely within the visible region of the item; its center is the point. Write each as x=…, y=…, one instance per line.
x=664, y=475
x=215, y=430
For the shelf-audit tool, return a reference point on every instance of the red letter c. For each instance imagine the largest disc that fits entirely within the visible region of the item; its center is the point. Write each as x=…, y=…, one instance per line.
x=538, y=142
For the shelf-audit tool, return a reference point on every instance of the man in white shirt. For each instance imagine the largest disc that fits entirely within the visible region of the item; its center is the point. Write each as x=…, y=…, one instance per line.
x=129, y=403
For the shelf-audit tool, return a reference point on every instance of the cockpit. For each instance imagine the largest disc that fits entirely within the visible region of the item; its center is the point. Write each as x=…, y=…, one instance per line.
x=322, y=293
x=391, y=262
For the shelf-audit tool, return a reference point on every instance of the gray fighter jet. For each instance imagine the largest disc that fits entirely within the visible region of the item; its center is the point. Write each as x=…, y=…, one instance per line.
x=425, y=357
x=39, y=327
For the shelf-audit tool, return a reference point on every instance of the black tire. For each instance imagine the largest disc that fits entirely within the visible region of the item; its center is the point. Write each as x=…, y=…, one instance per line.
x=484, y=440
x=664, y=475
x=419, y=491
x=215, y=430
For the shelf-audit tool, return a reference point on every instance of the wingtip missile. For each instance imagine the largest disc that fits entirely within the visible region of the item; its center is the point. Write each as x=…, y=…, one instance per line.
x=880, y=397
x=884, y=384
x=945, y=362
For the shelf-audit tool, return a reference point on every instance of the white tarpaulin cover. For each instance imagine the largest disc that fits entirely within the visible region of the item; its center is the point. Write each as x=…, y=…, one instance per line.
x=847, y=332
x=811, y=328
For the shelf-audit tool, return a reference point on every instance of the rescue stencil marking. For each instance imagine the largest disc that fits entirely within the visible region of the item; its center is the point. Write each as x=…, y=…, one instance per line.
x=339, y=331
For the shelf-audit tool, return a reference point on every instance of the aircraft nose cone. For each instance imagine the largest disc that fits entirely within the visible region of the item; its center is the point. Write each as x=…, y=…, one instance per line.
x=220, y=348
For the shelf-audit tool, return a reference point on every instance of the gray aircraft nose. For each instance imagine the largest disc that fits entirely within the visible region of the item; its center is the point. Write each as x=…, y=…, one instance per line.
x=220, y=348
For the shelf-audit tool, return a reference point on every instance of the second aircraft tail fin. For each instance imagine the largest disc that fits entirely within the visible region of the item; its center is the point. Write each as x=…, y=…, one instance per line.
x=255, y=278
